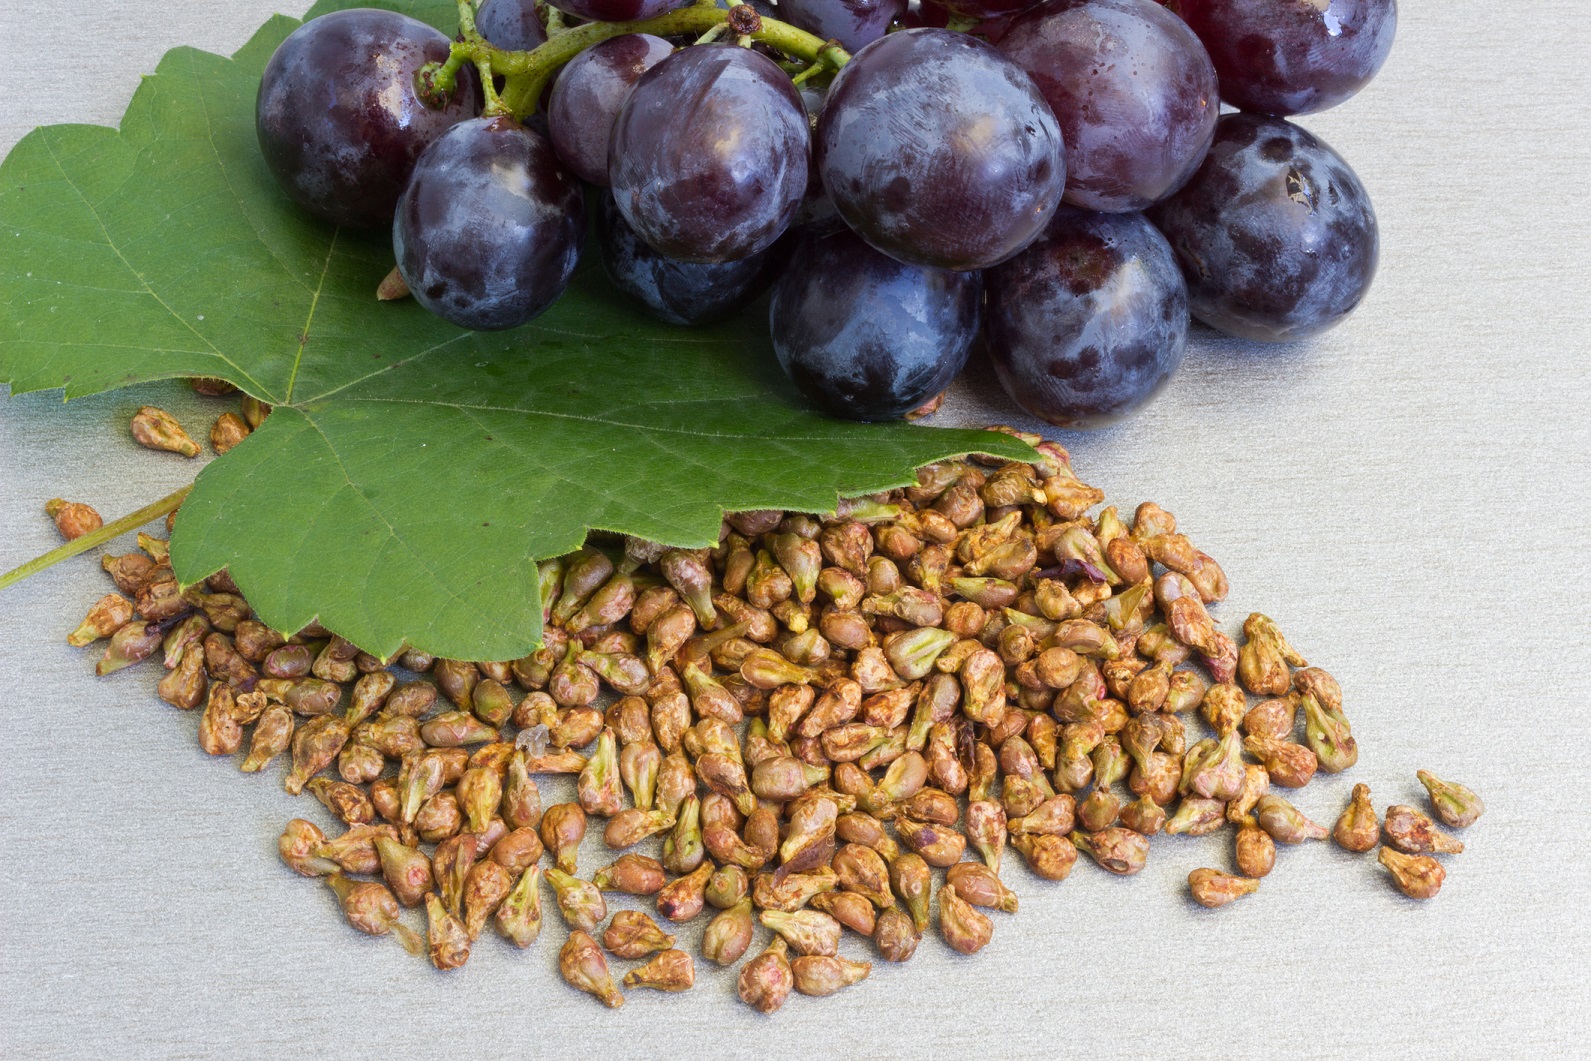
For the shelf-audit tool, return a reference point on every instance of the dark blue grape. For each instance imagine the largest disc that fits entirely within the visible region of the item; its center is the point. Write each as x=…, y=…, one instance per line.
x=488, y=231
x=338, y=118
x=1275, y=234
x=1133, y=89
x=1293, y=56
x=1089, y=322
x=866, y=337
x=939, y=151
x=588, y=94
x=854, y=23
x=708, y=160
x=674, y=291
x=511, y=25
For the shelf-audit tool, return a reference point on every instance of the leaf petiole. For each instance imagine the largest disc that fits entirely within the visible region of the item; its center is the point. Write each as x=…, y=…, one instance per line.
x=88, y=541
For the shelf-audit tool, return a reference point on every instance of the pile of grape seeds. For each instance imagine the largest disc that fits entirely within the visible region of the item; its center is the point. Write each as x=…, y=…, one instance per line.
x=834, y=726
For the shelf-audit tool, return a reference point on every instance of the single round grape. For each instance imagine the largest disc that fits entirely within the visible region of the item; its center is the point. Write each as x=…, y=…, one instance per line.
x=1275, y=234
x=338, y=118
x=866, y=337
x=1133, y=89
x=673, y=291
x=587, y=96
x=708, y=160
x=511, y=25
x=488, y=231
x=853, y=23
x=618, y=10
x=939, y=151
x=1293, y=56
x=1090, y=321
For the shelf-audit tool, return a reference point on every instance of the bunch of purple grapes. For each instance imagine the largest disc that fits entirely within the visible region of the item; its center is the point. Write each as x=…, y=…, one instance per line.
x=1053, y=183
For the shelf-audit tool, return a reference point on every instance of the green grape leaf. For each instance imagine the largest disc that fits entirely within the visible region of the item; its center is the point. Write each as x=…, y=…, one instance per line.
x=410, y=473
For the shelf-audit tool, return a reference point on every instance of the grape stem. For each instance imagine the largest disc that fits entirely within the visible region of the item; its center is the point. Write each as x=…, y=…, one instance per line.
x=526, y=74
x=467, y=30
x=88, y=541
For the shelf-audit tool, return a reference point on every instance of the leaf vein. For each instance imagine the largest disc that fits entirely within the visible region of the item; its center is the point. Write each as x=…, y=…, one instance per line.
x=392, y=531
x=111, y=243
x=303, y=339
x=600, y=421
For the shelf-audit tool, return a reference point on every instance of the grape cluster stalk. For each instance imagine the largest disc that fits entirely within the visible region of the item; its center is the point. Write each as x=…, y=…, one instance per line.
x=1053, y=182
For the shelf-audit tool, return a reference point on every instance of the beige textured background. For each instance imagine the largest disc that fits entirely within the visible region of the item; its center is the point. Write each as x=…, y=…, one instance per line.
x=1408, y=496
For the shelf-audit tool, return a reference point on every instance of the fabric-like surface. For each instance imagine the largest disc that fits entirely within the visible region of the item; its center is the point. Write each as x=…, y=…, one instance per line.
x=1408, y=497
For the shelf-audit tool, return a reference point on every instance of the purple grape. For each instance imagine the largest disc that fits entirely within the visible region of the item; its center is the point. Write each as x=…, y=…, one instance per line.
x=1090, y=321
x=939, y=151
x=1275, y=234
x=511, y=25
x=1133, y=89
x=588, y=94
x=1293, y=56
x=338, y=118
x=488, y=231
x=866, y=337
x=709, y=154
x=673, y=291
x=618, y=10
x=853, y=23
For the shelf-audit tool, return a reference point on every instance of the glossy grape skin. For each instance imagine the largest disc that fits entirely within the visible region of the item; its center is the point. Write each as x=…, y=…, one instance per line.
x=1133, y=89
x=854, y=23
x=939, y=151
x=618, y=10
x=708, y=160
x=338, y=118
x=1293, y=56
x=588, y=94
x=1275, y=233
x=865, y=337
x=511, y=25
x=489, y=229
x=1090, y=321
x=679, y=292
